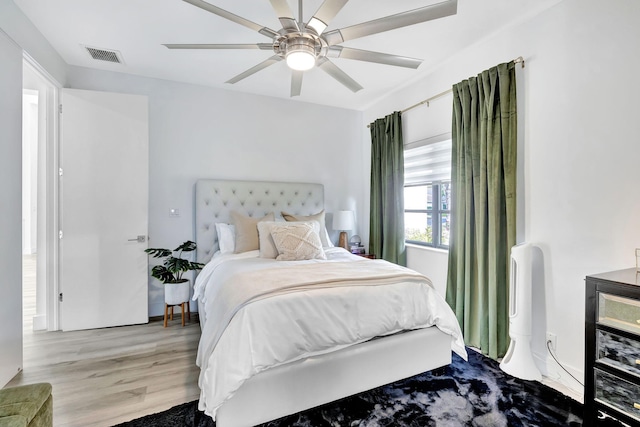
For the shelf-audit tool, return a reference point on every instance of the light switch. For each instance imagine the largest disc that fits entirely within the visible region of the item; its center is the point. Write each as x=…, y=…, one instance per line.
x=174, y=212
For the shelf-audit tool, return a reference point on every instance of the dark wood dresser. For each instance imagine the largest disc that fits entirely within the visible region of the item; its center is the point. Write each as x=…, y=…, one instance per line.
x=612, y=349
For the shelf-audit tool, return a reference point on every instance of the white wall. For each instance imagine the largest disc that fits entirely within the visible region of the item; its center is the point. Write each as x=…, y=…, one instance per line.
x=197, y=132
x=11, y=218
x=580, y=115
x=16, y=33
x=15, y=24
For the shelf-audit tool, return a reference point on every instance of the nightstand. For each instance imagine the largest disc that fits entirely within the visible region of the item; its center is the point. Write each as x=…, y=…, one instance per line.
x=370, y=256
x=612, y=348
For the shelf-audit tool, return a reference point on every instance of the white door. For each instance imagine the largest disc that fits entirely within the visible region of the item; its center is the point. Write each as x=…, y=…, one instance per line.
x=103, y=209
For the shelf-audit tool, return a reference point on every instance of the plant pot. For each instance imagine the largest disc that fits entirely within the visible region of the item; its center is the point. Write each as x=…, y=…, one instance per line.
x=177, y=293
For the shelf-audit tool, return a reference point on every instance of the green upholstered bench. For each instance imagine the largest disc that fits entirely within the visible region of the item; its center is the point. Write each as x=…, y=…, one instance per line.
x=26, y=406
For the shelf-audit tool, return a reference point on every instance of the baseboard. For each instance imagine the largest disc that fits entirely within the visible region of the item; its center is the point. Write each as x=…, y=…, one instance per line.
x=157, y=309
x=194, y=317
x=553, y=373
x=40, y=322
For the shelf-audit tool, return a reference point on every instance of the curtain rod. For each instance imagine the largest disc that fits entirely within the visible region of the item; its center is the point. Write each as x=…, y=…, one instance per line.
x=518, y=60
x=426, y=101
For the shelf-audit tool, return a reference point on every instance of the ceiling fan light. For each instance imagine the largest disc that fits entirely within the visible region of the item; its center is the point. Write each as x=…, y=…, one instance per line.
x=300, y=58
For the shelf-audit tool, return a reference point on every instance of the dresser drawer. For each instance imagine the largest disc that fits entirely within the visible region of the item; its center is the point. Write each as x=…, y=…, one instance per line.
x=617, y=351
x=619, y=312
x=617, y=393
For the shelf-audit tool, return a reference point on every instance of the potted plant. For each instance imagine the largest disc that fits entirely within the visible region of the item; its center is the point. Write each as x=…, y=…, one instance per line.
x=170, y=272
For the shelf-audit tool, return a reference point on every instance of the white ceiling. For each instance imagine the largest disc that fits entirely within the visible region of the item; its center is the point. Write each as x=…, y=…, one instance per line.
x=138, y=28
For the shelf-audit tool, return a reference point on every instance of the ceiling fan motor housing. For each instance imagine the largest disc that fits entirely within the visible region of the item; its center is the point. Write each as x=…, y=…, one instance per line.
x=298, y=43
x=299, y=49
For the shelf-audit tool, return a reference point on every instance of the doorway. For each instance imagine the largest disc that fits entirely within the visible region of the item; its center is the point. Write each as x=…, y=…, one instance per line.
x=39, y=197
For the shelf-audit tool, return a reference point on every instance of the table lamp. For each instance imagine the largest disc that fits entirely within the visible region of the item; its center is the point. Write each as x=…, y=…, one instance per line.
x=342, y=221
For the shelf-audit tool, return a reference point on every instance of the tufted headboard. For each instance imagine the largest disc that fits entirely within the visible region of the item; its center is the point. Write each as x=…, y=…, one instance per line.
x=216, y=199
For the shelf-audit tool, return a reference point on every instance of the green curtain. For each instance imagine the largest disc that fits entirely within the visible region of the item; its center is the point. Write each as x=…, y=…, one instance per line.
x=386, y=229
x=483, y=208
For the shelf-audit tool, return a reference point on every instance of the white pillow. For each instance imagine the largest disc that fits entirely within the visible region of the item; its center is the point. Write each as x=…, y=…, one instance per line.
x=297, y=241
x=226, y=237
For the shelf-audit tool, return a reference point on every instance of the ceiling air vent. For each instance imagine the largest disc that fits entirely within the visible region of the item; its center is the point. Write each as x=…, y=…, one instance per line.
x=105, y=55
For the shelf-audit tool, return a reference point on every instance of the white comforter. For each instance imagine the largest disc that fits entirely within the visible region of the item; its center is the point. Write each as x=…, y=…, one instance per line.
x=248, y=329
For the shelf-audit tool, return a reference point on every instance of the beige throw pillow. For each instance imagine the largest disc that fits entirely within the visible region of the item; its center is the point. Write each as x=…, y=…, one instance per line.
x=247, y=231
x=297, y=241
x=267, y=246
x=324, y=236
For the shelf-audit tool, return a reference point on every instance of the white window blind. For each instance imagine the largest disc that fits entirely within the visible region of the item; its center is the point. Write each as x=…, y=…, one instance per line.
x=428, y=160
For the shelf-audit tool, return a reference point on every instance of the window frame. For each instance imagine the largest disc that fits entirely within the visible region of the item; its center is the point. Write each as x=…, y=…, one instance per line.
x=436, y=212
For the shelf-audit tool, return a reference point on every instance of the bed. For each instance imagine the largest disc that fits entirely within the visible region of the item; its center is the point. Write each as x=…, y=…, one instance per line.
x=248, y=376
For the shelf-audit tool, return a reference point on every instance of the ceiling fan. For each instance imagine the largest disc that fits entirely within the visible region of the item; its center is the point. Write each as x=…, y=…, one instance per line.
x=305, y=45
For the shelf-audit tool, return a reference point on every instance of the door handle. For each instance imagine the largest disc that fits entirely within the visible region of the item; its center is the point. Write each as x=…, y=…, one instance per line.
x=139, y=239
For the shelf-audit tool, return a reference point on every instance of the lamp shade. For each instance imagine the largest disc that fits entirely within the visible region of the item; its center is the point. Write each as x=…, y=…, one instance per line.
x=343, y=220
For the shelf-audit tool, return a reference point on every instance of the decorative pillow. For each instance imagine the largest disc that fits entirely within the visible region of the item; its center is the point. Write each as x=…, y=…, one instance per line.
x=226, y=237
x=267, y=245
x=297, y=241
x=324, y=236
x=247, y=231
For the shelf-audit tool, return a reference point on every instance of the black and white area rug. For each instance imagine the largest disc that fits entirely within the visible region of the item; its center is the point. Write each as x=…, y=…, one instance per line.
x=475, y=393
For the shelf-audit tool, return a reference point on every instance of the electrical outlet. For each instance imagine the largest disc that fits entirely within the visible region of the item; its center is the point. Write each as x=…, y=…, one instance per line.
x=551, y=341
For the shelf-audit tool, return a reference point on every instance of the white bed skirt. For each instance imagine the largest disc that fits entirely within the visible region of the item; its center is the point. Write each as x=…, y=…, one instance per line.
x=311, y=382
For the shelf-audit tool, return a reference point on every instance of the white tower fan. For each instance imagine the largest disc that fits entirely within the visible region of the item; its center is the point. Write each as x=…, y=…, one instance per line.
x=519, y=360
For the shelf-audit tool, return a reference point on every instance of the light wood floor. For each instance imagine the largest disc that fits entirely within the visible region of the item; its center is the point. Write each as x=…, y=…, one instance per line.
x=106, y=376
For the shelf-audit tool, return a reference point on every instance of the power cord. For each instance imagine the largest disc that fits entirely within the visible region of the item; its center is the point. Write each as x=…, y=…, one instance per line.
x=560, y=364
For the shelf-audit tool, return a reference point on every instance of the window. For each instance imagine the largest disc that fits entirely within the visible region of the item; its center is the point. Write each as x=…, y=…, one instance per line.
x=427, y=191
x=426, y=223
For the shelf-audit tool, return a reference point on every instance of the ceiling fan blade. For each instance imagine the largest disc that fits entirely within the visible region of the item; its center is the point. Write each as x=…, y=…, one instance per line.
x=233, y=18
x=325, y=13
x=332, y=69
x=296, y=83
x=404, y=19
x=285, y=15
x=369, y=56
x=261, y=46
x=261, y=66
